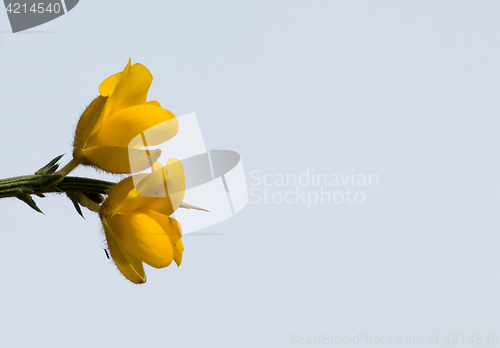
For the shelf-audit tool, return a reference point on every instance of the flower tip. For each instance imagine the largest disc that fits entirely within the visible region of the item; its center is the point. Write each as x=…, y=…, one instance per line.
x=141, y=281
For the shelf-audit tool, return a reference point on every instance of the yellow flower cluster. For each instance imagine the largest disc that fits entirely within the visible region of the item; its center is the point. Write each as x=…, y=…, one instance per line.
x=136, y=214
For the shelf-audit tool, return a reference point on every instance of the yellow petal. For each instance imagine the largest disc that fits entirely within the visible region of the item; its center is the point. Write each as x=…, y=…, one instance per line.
x=125, y=89
x=178, y=250
x=88, y=121
x=128, y=204
x=109, y=84
x=125, y=197
x=122, y=127
x=163, y=193
x=153, y=184
x=119, y=160
x=146, y=192
x=116, y=196
x=143, y=237
x=169, y=225
x=176, y=181
x=174, y=231
x=130, y=266
x=156, y=134
x=154, y=102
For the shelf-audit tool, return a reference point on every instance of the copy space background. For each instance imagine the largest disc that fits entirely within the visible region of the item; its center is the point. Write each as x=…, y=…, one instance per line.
x=408, y=90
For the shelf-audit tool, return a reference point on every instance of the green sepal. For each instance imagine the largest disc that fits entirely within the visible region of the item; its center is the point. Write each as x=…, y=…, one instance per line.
x=48, y=180
x=88, y=120
x=26, y=198
x=74, y=197
x=50, y=167
x=56, y=189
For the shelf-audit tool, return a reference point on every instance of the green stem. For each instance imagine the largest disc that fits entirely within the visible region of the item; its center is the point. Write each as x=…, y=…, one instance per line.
x=40, y=184
x=23, y=186
x=73, y=183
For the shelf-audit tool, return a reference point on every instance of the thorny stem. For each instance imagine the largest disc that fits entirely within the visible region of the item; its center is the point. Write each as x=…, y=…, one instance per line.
x=39, y=184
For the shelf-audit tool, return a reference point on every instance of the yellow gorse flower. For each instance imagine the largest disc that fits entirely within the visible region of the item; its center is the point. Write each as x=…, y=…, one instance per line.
x=109, y=124
x=137, y=222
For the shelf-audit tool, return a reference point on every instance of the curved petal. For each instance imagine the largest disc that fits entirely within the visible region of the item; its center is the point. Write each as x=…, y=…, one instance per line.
x=107, y=86
x=130, y=266
x=138, y=193
x=163, y=193
x=143, y=237
x=118, y=195
x=176, y=181
x=178, y=251
x=121, y=203
x=119, y=160
x=125, y=89
x=170, y=225
x=122, y=127
x=145, y=192
x=174, y=231
x=154, y=102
